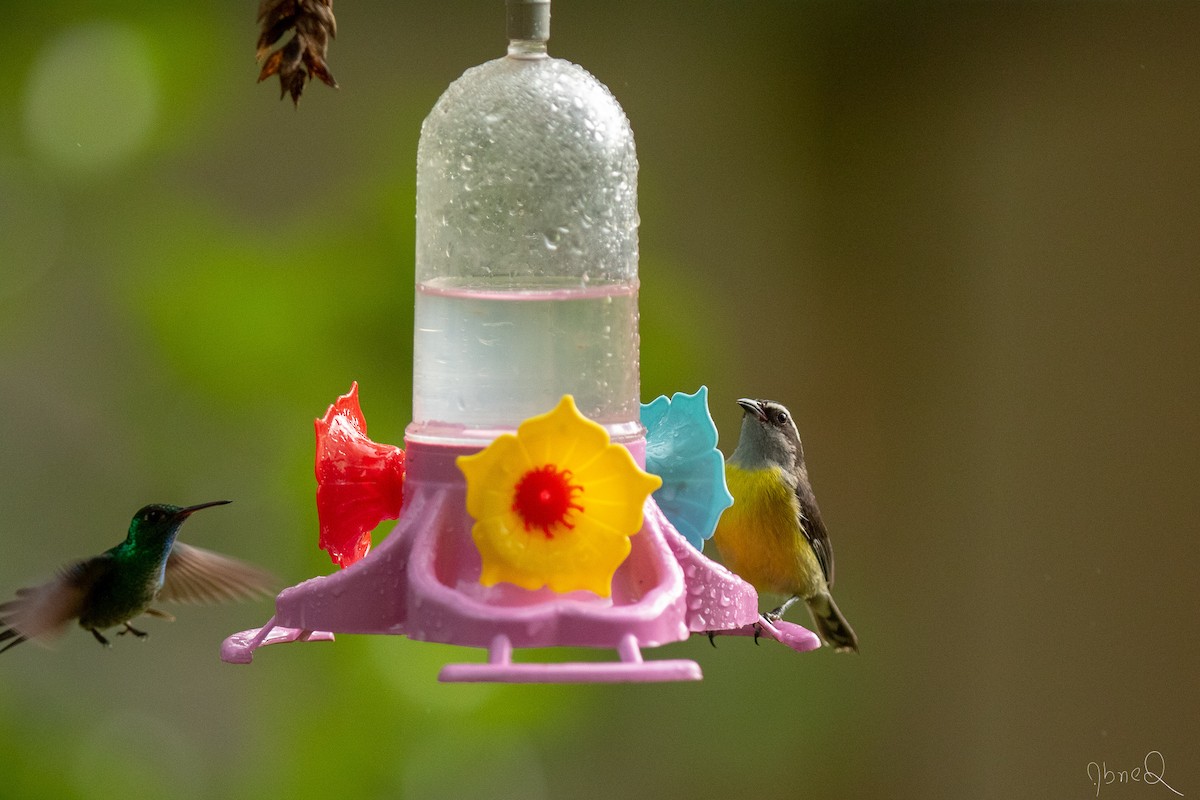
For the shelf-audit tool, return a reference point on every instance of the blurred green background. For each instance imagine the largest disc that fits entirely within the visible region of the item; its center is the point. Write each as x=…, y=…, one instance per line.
x=960, y=240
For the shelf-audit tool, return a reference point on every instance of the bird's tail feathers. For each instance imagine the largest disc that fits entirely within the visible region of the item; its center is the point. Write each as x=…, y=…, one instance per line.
x=39, y=613
x=833, y=628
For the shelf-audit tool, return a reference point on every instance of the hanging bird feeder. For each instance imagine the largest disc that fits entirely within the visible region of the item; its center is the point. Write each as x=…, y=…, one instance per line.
x=531, y=492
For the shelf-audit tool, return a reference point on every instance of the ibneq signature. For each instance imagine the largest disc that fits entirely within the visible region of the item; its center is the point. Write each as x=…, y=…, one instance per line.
x=1151, y=771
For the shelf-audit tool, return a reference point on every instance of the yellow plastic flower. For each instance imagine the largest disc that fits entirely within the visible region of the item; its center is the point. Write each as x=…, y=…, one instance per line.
x=555, y=504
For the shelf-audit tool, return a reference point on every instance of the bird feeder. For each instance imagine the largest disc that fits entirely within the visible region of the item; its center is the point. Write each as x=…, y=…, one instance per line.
x=525, y=513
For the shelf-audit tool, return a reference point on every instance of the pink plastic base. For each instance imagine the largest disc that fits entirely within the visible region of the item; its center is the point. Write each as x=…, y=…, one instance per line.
x=423, y=582
x=789, y=634
x=239, y=648
x=630, y=669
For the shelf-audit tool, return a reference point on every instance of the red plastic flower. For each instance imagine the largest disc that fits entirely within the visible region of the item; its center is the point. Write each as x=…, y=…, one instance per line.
x=359, y=483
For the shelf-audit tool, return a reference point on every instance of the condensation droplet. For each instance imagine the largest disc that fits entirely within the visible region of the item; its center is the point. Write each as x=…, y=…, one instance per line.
x=552, y=238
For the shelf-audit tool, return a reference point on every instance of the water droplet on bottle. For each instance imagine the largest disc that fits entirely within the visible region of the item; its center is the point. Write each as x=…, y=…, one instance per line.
x=553, y=238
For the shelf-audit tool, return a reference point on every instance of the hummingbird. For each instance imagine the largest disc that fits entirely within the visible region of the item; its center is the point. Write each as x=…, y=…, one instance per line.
x=123, y=582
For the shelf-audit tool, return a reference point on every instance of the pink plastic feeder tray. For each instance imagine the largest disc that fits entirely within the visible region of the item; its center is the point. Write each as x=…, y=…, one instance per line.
x=423, y=582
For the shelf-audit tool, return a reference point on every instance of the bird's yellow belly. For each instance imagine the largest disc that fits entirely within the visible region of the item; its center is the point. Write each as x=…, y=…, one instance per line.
x=759, y=536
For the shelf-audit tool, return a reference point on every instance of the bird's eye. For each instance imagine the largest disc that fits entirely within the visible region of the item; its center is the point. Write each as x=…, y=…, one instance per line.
x=781, y=417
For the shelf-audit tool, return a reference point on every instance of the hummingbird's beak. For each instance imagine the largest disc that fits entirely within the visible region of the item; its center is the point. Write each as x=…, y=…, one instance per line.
x=184, y=512
x=753, y=407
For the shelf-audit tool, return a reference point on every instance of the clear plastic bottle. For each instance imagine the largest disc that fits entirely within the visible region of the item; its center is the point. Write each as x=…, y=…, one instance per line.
x=526, y=264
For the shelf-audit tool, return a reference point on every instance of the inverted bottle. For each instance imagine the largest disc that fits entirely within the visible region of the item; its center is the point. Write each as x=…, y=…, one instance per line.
x=526, y=262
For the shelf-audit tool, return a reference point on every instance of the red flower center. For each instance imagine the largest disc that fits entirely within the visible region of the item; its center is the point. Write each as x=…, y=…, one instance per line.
x=544, y=497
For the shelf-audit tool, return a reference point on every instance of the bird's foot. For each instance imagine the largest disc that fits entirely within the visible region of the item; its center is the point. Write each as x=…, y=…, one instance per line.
x=771, y=617
x=712, y=638
x=100, y=638
x=777, y=614
x=130, y=629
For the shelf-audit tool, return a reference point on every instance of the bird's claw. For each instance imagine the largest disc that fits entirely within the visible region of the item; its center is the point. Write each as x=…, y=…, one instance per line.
x=712, y=638
x=130, y=629
x=769, y=618
x=777, y=614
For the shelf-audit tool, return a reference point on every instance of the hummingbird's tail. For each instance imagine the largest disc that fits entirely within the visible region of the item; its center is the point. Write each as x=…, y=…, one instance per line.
x=835, y=631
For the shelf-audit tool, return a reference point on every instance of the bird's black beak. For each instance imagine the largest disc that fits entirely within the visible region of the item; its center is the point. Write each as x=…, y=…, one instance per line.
x=753, y=407
x=184, y=512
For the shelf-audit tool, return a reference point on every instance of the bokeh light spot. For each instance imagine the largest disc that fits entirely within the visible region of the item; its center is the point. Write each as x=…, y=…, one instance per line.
x=91, y=97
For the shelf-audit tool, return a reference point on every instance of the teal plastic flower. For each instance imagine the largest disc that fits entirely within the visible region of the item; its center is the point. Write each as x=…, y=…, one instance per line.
x=681, y=448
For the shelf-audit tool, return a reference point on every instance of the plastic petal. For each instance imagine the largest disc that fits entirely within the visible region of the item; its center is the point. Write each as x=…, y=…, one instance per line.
x=681, y=448
x=359, y=483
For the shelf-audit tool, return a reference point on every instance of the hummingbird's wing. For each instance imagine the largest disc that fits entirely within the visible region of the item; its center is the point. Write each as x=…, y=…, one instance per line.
x=43, y=612
x=196, y=575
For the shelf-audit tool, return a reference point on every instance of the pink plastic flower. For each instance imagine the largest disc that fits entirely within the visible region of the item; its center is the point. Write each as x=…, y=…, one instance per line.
x=359, y=483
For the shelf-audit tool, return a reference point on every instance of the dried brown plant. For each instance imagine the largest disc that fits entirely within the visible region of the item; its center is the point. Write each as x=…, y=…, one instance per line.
x=302, y=58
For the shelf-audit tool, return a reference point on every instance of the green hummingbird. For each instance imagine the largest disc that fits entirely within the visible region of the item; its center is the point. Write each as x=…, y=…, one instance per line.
x=113, y=588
